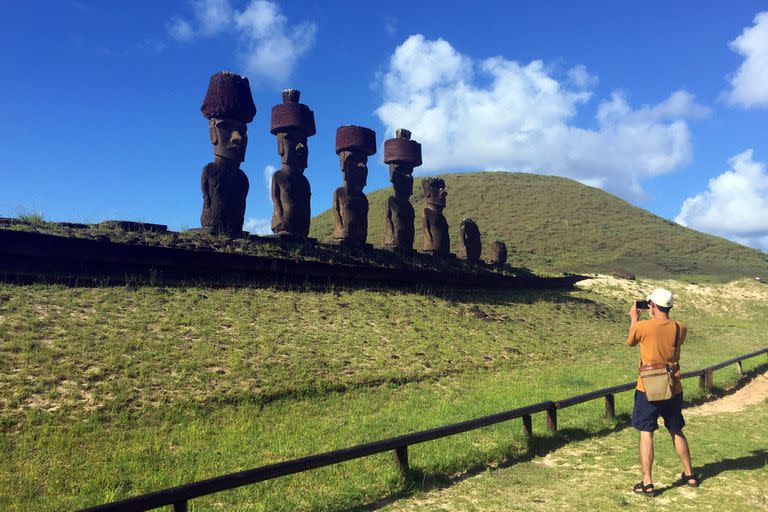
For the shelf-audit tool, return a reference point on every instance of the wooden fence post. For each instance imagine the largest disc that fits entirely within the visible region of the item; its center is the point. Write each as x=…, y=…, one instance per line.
x=739, y=368
x=401, y=459
x=610, y=408
x=710, y=379
x=527, y=426
x=702, y=383
x=552, y=418
x=180, y=506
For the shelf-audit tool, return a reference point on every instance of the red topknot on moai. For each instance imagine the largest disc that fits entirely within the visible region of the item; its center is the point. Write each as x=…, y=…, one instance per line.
x=228, y=106
x=292, y=122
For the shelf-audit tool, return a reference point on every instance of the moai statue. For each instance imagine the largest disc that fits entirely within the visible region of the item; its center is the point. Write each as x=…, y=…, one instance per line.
x=292, y=123
x=354, y=144
x=401, y=154
x=228, y=106
x=470, y=245
x=497, y=254
x=436, y=239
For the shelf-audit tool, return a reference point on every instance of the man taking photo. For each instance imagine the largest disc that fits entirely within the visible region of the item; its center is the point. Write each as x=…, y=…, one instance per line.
x=660, y=340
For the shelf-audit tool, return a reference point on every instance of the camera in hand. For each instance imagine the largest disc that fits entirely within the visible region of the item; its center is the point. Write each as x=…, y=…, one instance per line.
x=641, y=304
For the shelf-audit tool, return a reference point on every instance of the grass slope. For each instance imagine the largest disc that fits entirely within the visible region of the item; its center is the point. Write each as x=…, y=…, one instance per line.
x=110, y=392
x=557, y=224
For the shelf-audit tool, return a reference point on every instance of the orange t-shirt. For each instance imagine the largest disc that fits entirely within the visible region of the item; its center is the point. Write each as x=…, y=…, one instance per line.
x=657, y=345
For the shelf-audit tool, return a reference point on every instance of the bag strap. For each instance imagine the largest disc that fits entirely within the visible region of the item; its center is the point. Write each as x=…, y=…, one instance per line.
x=675, y=353
x=677, y=335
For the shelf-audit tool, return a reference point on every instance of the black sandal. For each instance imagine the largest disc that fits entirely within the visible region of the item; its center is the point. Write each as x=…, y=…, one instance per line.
x=645, y=490
x=686, y=480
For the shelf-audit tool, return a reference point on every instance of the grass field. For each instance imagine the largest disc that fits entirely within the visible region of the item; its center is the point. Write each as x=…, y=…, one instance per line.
x=110, y=392
x=729, y=454
x=553, y=224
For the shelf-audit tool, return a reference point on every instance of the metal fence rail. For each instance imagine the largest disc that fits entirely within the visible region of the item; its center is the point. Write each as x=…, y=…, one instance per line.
x=178, y=497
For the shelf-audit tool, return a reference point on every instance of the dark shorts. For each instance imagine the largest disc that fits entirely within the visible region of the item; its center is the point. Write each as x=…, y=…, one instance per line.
x=645, y=414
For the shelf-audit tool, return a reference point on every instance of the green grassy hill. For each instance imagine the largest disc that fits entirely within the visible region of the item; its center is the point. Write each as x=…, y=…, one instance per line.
x=557, y=224
x=108, y=392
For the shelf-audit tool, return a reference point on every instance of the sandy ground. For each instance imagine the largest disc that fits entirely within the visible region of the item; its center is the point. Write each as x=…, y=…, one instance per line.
x=737, y=297
x=753, y=393
x=735, y=290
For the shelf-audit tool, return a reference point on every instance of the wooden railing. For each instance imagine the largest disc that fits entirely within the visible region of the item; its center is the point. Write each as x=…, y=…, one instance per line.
x=178, y=497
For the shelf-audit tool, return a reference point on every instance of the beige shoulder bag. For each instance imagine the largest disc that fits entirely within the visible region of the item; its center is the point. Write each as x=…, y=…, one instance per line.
x=657, y=377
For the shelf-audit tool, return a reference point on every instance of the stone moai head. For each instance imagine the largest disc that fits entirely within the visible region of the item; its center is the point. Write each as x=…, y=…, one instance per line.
x=434, y=192
x=470, y=245
x=497, y=253
x=292, y=122
x=403, y=185
x=401, y=153
x=354, y=144
x=228, y=106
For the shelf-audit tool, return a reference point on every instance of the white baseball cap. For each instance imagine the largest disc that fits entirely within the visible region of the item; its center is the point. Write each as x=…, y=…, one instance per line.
x=661, y=297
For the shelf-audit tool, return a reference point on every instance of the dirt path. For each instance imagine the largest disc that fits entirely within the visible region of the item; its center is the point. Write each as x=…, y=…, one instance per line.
x=598, y=473
x=753, y=393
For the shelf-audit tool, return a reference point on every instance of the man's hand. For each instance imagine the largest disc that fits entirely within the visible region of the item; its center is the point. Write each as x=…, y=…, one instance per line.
x=634, y=313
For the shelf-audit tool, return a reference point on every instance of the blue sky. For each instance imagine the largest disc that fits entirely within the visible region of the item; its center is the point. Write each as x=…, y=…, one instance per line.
x=661, y=103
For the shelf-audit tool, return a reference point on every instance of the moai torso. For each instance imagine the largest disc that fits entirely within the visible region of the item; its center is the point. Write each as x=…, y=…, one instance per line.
x=497, y=253
x=399, y=232
x=291, y=195
x=224, y=193
x=470, y=245
x=351, y=212
x=436, y=237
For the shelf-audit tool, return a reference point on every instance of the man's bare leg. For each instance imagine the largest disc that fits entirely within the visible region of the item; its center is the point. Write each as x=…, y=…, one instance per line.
x=646, y=456
x=681, y=447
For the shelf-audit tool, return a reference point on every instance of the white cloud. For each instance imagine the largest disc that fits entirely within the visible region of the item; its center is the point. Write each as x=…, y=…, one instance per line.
x=260, y=17
x=417, y=66
x=735, y=205
x=258, y=226
x=268, y=47
x=580, y=77
x=213, y=16
x=748, y=84
x=496, y=114
x=261, y=225
x=271, y=47
x=269, y=170
x=390, y=25
x=180, y=29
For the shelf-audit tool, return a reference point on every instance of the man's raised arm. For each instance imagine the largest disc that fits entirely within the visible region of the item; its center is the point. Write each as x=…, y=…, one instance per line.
x=634, y=317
